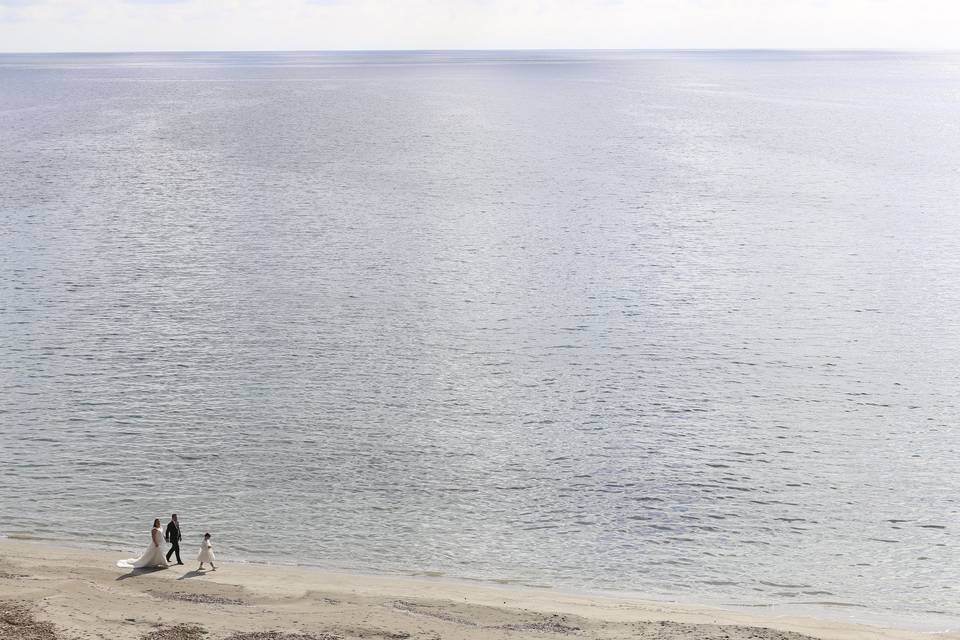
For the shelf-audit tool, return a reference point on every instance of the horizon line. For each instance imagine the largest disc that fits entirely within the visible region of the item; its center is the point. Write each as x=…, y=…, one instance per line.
x=502, y=50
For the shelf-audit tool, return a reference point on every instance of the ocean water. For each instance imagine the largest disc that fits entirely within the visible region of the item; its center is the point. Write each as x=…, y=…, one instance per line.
x=684, y=324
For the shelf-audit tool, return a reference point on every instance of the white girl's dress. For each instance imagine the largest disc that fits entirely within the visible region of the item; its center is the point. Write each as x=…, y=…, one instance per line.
x=206, y=552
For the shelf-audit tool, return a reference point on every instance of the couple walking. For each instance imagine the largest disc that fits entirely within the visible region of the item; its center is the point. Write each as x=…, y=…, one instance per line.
x=154, y=557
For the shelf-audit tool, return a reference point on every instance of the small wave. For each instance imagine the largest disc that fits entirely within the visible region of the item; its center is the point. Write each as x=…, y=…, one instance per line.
x=833, y=603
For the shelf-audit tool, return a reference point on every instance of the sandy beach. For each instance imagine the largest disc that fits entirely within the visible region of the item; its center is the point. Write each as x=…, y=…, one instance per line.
x=50, y=593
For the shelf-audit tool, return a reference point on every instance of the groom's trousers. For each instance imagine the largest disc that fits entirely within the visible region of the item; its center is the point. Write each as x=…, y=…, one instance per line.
x=175, y=549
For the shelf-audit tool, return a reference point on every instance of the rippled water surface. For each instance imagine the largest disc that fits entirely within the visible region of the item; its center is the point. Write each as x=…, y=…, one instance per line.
x=684, y=324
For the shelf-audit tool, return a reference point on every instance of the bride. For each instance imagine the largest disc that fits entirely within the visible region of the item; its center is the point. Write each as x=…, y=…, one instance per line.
x=153, y=556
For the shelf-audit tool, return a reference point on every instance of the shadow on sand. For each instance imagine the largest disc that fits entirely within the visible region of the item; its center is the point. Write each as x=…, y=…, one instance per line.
x=193, y=574
x=141, y=572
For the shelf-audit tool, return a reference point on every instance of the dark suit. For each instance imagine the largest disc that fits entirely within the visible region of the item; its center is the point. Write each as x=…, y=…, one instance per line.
x=172, y=535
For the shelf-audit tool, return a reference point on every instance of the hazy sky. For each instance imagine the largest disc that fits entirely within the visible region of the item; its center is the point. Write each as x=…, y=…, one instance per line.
x=136, y=25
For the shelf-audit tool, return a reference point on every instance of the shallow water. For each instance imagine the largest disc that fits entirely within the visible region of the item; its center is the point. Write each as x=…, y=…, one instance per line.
x=683, y=324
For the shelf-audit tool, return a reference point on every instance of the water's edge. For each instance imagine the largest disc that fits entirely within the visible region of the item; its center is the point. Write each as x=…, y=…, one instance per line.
x=838, y=612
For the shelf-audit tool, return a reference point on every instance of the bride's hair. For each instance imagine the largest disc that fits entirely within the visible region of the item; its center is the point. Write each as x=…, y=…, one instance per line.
x=156, y=522
x=206, y=535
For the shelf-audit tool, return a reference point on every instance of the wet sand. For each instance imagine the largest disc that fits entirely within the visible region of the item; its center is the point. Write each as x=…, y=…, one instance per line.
x=49, y=593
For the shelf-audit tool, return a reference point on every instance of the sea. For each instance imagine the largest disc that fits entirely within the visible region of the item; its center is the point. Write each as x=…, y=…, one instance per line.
x=676, y=324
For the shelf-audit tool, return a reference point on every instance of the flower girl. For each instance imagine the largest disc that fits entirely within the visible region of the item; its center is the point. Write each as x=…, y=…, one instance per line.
x=206, y=552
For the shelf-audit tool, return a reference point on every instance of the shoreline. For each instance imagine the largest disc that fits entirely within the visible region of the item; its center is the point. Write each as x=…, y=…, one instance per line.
x=929, y=622
x=84, y=595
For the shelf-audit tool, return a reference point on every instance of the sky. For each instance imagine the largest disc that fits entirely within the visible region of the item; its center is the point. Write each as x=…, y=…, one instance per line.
x=250, y=25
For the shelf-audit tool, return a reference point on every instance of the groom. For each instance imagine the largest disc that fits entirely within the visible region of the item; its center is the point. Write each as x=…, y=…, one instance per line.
x=172, y=535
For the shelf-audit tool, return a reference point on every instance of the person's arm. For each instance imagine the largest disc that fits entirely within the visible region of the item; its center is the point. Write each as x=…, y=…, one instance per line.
x=166, y=534
x=155, y=535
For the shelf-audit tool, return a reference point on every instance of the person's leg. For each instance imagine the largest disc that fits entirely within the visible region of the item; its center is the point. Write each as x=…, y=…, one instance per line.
x=170, y=553
x=176, y=549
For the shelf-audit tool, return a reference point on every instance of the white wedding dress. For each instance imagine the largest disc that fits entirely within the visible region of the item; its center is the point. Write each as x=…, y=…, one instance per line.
x=152, y=557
